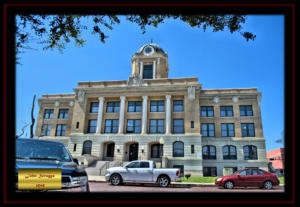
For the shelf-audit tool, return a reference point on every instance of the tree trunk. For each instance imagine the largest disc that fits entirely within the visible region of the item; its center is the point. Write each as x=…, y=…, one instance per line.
x=32, y=118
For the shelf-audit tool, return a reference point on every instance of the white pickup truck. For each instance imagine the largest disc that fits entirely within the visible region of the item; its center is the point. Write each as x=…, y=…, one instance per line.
x=142, y=171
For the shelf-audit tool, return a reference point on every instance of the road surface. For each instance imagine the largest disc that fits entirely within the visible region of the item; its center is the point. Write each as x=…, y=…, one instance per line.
x=106, y=187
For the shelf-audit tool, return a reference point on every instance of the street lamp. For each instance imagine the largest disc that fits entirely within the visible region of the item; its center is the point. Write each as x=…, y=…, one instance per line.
x=161, y=141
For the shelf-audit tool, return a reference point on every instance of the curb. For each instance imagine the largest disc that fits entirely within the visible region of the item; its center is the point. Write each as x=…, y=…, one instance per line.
x=174, y=184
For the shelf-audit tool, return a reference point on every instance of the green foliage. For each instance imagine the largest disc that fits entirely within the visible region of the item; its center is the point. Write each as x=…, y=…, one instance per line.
x=55, y=31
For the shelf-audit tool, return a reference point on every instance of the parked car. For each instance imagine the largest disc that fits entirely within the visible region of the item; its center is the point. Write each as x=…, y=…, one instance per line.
x=45, y=154
x=248, y=177
x=143, y=171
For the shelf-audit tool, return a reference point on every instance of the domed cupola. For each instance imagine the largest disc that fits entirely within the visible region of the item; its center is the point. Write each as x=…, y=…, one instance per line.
x=150, y=62
x=149, y=49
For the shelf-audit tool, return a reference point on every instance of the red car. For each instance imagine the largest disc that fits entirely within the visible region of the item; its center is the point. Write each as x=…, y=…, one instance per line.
x=248, y=177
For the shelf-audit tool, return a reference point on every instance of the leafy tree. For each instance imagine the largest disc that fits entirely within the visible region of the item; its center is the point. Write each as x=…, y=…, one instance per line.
x=55, y=31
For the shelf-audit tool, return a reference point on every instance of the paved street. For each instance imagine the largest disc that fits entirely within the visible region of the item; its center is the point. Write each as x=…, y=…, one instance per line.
x=105, y=187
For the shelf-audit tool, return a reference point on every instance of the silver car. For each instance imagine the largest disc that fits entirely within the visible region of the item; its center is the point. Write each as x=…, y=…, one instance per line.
x=142, y=171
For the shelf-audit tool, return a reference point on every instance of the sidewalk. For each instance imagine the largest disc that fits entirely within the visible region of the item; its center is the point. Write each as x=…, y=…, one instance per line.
x=101, y=179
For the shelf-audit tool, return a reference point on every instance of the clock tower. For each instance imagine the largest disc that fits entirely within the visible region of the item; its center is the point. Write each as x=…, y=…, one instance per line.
x=150, y=62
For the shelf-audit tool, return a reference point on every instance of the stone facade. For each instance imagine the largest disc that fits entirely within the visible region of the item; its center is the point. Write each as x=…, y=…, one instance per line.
x=166, y=116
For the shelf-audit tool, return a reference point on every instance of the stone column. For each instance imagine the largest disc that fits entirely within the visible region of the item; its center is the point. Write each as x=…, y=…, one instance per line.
x=141, y=69
x=168, y=114
x=122, y=111
x=100, y=115
x=154, y=69
x=144, y=116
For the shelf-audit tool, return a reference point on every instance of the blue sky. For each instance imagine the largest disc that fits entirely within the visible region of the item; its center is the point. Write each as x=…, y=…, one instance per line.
x=219, y=60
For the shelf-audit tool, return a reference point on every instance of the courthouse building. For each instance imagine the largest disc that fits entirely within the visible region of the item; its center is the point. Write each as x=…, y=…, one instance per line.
x=172, y=121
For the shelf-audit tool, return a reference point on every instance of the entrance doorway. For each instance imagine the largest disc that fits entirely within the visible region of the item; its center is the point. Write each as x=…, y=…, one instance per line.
x=133, y=151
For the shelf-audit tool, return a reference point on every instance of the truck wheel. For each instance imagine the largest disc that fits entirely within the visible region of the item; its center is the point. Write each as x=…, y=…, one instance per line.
x=228, y=185
x=86, y=188
x=163, y=181
x=115, y=179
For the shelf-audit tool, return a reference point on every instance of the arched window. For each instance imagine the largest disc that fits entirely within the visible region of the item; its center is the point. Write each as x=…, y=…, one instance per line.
x=209, y=152
x=178, y=149
x=156, y=150
x=87, y=147
x=250, y=152
x=110, y=150
x=229, y=152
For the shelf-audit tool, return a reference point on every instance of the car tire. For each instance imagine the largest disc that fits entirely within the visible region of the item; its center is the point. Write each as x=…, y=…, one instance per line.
x=85, y=188
x=229, y=185
x=268, y=185
x=163, y=181
x=115, y=179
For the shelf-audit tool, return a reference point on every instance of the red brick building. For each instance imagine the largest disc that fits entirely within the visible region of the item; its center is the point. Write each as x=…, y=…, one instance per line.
x=276, y=157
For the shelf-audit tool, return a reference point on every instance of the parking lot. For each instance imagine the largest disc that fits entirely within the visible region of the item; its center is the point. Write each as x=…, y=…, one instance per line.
x=105, y=187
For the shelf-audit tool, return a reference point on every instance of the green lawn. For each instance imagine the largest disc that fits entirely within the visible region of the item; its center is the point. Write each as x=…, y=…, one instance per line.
x=211, y=180
x=281, y=179
x=199, y=179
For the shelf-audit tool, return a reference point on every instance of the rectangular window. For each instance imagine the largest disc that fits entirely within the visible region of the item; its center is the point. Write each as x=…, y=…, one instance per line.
x=111, y=126
x=134, y=106
x=94, y=107
x=229, y=170
x=92, y=126
x=48, y=114
x=113, y=107
x=63, y=113
x=148, y=72
x=178, y=126
x=210, y=171
x=46, y=128
x=207, y=111
x=133, y=126
x=61, y=130
x=192, y=149
x=248, y=130
x=192, y=124
x=227, y=130
x=208, y=130
x=226, y=111
x=74, y=148
x=157, y=150
x=157, y=126
x=178, y=106
x=246, y=111
x=157, y=106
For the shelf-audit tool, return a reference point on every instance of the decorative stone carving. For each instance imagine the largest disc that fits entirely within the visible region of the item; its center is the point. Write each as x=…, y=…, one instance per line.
x=71, y=103
x=56, y=103
x=216, y=99
x=80, y=97
x=235, y=99
x=191, y=92
x=135, y=80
